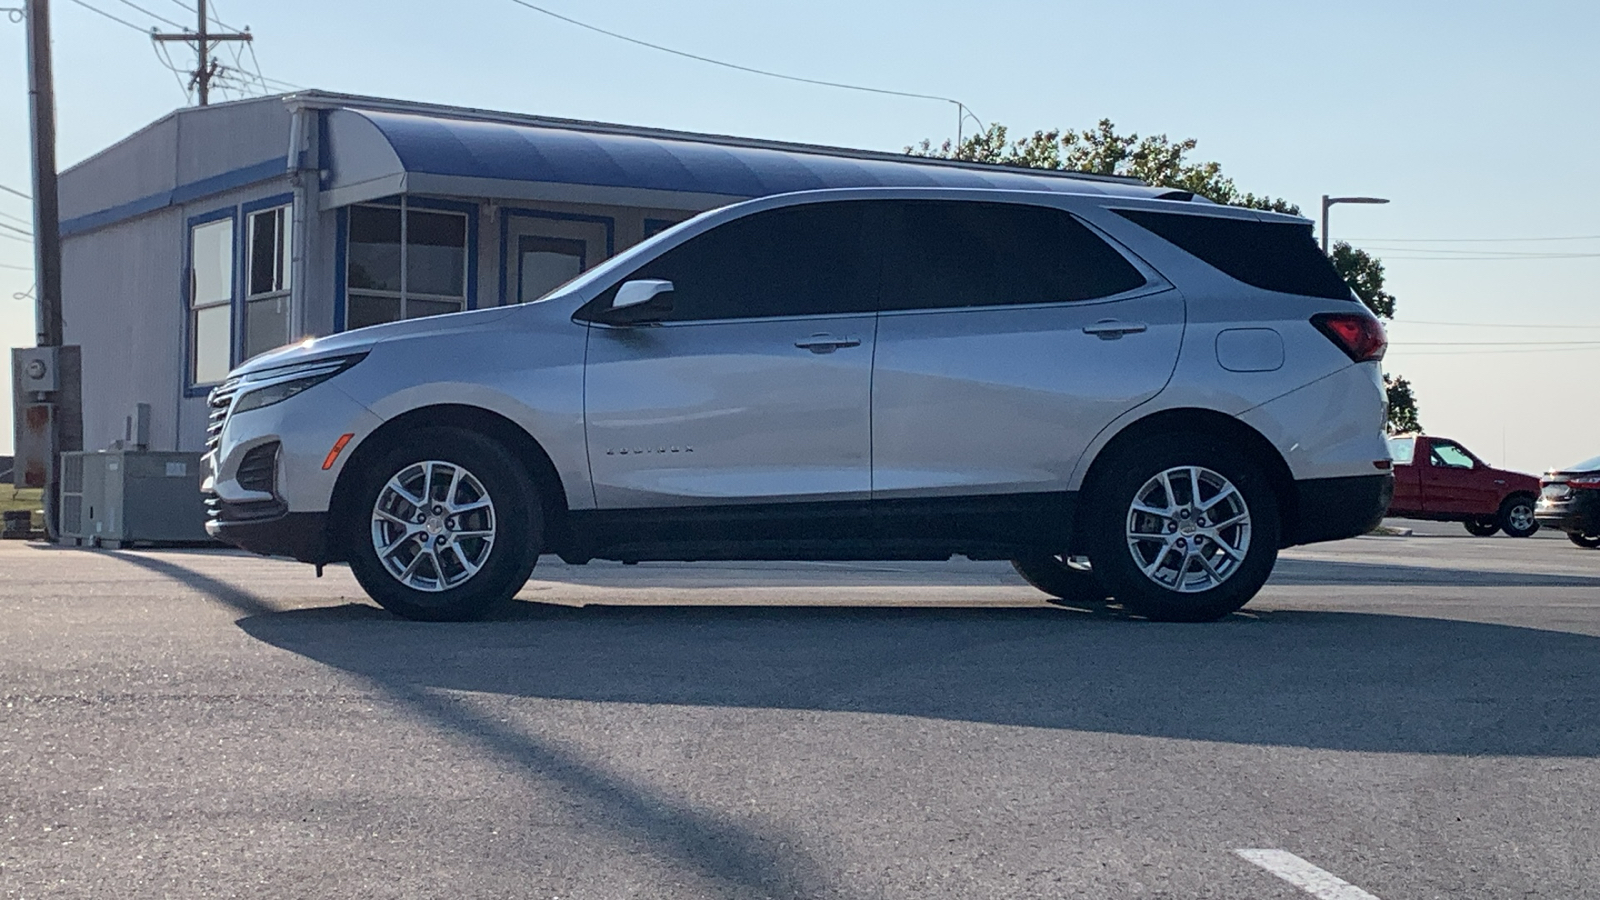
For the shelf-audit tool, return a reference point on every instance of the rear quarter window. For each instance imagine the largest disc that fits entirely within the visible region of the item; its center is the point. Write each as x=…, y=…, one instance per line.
x=1402, y=450
x=1273, y=256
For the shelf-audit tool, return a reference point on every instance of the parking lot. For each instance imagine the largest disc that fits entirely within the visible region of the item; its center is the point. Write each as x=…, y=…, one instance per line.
x=1419, y=716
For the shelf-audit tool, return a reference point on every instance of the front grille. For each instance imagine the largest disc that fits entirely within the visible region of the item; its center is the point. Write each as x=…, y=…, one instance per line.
x=258, y=470
x=220, y=402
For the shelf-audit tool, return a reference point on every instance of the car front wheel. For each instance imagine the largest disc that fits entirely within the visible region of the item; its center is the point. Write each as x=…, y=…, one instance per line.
x=445, y=525
x=1060, y=577
x=1587, y=541
x=1516, y=516
x=1482, y=527
x=1182, y=528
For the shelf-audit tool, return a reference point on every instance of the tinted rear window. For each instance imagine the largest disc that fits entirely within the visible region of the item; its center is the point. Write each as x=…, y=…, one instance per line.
x=943, y=254
x=1274, y=256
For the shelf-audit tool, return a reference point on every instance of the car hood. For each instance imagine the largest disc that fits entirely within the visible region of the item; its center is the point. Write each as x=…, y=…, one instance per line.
x=363, y=339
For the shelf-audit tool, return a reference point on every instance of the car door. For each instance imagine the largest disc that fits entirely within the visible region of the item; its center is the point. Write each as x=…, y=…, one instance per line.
x=1407, y=474
x=1454, y=482
x=1009, y=335
x=755, y=387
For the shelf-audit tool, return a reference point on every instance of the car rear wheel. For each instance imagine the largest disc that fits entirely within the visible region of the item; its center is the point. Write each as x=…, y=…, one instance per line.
x=1516, y=516
x=1182, y=528
x=1063, y=578
x=1482, y=527
x=444, y=526
x=1587, y=541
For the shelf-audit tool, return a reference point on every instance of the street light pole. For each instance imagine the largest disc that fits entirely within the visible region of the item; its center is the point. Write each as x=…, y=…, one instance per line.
x=1329, y=201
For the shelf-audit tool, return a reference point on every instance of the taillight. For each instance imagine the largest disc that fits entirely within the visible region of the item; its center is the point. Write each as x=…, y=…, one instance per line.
x=1592, y=482
x=1360, y=336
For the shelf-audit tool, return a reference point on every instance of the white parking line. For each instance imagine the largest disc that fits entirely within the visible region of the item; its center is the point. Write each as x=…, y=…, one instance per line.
x=1303, y=875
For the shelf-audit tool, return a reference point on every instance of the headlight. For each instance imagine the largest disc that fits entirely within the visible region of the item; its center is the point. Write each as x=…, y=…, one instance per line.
x=269, y=386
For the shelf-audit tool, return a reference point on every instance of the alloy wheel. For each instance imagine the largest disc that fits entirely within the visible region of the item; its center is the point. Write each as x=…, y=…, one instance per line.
x=433, y=526
x=1188, y=529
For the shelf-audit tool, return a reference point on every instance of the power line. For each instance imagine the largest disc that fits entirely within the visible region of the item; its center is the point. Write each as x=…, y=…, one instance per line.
x=118, y=20
x=11, y=190
x=1495, y=258
x=1510, y=240
x=25, y=240
x=963, y=111
x=1483, y=324
x=21, y=231
x=1495, y=343
x=156, y=16
x=27, y=222
x=18, y=268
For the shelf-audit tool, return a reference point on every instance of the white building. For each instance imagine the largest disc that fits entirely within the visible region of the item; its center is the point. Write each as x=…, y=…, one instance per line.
x=220, y=232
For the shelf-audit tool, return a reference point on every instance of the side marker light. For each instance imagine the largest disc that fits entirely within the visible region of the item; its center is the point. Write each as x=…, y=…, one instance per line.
x=1382, y=464
x=338, y=447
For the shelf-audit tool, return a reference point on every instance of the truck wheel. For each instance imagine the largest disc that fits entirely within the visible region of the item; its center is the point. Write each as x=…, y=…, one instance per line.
x=1481, y=527
x=1587, y=541
x=444, y=526
x=1060, y=579
x=1516, y=516
x=1182, y=528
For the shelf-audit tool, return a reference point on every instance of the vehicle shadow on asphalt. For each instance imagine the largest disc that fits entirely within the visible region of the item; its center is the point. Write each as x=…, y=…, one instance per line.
x=1331, y=572
x=1340, y=681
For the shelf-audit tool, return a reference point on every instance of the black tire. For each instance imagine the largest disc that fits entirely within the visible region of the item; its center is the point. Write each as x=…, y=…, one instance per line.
x=1586, y=541
x=1481, y=527
x=514, y=520
x=1127, y=476
x=1516, y=516
x=1062, y=581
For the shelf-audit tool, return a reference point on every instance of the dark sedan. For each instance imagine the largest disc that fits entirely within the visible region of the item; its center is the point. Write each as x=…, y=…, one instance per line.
x=1569, y=500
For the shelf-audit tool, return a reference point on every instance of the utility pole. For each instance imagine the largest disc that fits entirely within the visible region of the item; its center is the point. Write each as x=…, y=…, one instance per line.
x=205, y=68
x=46, y=380
x=46, y=207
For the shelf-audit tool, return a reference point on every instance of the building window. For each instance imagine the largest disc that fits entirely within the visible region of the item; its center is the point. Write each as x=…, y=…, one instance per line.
x=211, y=301
x=546, y=263
x=266, y=302
x=404, y=264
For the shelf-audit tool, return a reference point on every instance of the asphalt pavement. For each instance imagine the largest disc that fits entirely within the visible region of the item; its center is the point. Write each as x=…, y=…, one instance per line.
x=1394, y=717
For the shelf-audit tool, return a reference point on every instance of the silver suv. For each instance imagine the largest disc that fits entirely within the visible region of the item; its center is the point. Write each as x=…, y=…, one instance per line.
x=1128, y=394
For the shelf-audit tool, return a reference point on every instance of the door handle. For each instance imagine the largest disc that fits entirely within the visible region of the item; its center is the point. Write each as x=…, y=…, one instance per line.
x=1111, y=329
x=822, y=342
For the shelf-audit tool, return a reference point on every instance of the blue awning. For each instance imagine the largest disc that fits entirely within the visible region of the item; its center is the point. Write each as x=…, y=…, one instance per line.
x=379, y=153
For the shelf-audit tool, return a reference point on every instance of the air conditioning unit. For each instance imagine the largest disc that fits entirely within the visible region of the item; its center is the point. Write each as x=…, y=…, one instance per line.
x=113, y=498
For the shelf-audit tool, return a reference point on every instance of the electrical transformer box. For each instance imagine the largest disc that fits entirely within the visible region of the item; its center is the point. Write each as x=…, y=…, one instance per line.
x=111, y=498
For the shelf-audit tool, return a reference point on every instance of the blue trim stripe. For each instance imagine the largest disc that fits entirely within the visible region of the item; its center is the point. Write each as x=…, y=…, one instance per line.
x=183, y=193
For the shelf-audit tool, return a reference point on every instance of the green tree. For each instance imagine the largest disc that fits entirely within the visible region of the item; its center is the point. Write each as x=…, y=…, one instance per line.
x=1154, y=159
x=1163, y=162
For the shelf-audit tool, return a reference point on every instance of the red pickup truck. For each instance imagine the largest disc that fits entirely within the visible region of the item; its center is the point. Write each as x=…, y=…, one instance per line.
x=1437, y=478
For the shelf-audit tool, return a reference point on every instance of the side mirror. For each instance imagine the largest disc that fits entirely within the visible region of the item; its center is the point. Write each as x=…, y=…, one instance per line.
x=633, y=293
x=639, y=302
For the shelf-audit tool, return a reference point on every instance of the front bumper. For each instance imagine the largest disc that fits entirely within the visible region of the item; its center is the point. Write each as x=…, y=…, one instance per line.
x=269, y=529
x=1332, y=509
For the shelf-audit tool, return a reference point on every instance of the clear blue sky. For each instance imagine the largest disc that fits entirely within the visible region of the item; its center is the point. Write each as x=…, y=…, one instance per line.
x=1477, y=119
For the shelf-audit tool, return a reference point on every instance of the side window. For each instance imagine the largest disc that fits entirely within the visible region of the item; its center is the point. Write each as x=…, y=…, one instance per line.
x=211, y=301
x=1450, y=456
x=1403, y=450
x=940, y=254
x=794, y=261
x=1274, y=256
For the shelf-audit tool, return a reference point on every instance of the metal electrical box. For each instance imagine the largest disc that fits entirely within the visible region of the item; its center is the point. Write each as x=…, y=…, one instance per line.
x=111, y=498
